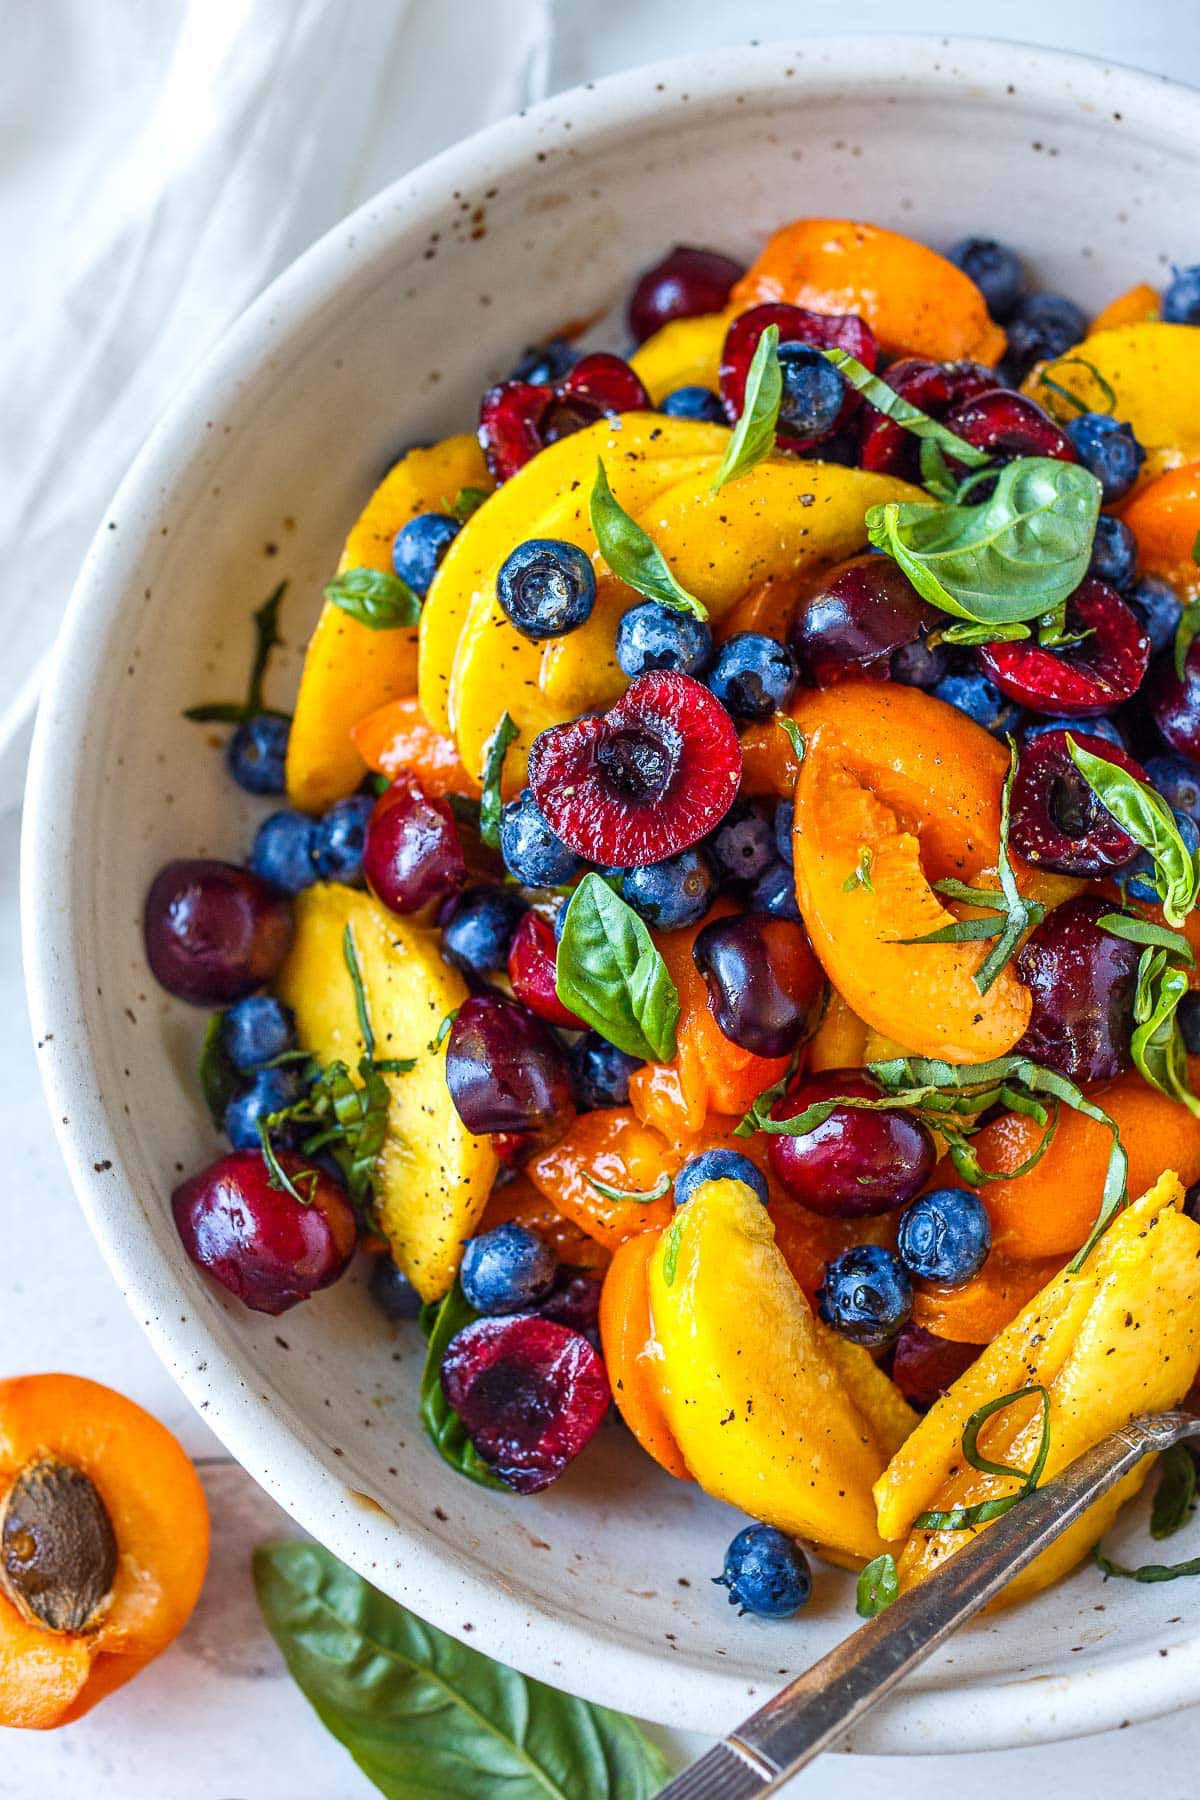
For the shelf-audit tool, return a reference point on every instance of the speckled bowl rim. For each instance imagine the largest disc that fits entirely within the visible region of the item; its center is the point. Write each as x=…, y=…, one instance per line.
x=98, y=1147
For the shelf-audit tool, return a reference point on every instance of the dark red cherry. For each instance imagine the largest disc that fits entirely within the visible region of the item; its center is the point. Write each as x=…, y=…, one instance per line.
x=823, y=331
x=269, y=1249
x=1009, y=425
x=530, y=1392
x=412, y=854
x=518, y=418
x=1092, y=676
x=924, y=1366
x=214, y=932
x=1056, y=821
x=574, y=1300
x=886, y=447
x=1083, y=982
x=856, y=1163
x=532, y=958
x=1175, y=704
x=645, y=780
x=766, y=989
x=687, y=281
x=863, y=612
x=506, y=1071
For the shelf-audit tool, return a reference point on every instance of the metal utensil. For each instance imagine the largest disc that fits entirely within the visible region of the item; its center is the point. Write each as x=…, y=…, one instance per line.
x=820, y=1706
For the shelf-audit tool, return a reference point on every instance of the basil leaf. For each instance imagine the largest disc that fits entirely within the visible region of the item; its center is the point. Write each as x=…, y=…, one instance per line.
x=1012, y=557
x=375, y=598
x=935, y=471
x=1176, y=1493
x=467, y=502
x=753, y=436
x=633, y=556
x=974, y=635
x=902, y=412
x=962, y=1518
x=1021, y=915
x=1074, y=400
x=878, y=1586
x=219, y=1080
x=446, y=1430
x=861, y=878
x=611, y=975
x=1143, y=813
x=350, y=958
x=638, y=1196
x=671, y=1249
x=424, y=1716
x=752, y=1121
x=1136, y=930
x=1147, y=1571
x=266, y=637
x=1157, y=1046
x=961, y=931
x=491, y=804
x=792, y=733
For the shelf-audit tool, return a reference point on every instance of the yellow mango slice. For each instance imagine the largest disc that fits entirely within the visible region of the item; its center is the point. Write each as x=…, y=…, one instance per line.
x=1154, y=371
x=350, y=670
x=1121, y=1337
x=433, y=1177
x=685, y=353
x=768, y=1412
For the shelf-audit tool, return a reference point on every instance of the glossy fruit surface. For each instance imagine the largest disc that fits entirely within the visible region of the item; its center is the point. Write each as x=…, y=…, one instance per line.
x=860, y=615
x=674, y=893
x=765, y=986
x=600, y=1073
x=1114, y=553
x=419, y=547
x=774, y=893
x=766, y=1573
x=1157, y=605
x=547, y=587
x=995, y=270
x=934, y=387
x=507, y=1270
x=1109, y=449
x=866, y=1295
x=532, y=854
x=214, y=932
x=813, y=393
x=753, y=676
x=284, y=851
x=257, y=754
x=1082, y=980
x=531, y=1394
x=478, y=935
x=574, y=1300
x=970, y=691
x=1057, y=821
x=256, y=1031
x=719, y=1165
x=1175, y=704
x=688, y=281
x=651, y=636
x=945, y=1236
x=269, y=1249
x=519, y=418
x=694, y=402
x=855, y=1163
x=796, y=325
x=341, y=838
x=1091, y=676
x=532, y=958
x=412, y=854
x=505, y=1070
x=1009, y=424
x=924, y=1366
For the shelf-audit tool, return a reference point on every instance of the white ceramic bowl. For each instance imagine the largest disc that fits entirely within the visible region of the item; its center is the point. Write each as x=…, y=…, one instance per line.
x=385, y=332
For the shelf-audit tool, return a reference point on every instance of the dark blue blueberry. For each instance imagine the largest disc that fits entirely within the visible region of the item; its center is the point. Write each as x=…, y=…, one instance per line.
x=532, y=854
x=866, y=1295
x=719, y=1165
x=1181, y=302
x=420, y=546
x=599, y=1072
x=506, y=1270
x=1178, y=781
x=1101, y=728
x=1109, y=449
x=257, y=754
x=945, y=1236
x=743, y=845
x=269, y=1092
x=1157, y=605
x=660, y=637
x=284, y=850
x=1114, y=552
x=547, y=588
x=1188, y=1015
x=392, y=1292
x=1137, y=877
x=339, y=841
x=775, y=893
x=813, y=392
x=918, y=665
x=1043, y=326
x=766, y=1572
x=972, y=693
x=477, y=935
x=256, y=1031
x=545, y=363
x=672, y=893
x=995, y=271
x=694, y=403
x=753, y=676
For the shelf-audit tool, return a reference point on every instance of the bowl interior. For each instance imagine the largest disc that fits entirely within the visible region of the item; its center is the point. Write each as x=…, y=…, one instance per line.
x=386, y=334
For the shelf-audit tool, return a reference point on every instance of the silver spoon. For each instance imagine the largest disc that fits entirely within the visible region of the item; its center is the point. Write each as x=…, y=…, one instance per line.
x=820, y=1706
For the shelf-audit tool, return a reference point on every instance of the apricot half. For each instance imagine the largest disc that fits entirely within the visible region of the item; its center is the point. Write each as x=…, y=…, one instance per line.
x=1164, y=517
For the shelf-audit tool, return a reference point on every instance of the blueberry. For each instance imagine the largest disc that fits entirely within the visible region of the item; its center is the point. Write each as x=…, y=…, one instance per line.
x=945, y=1236
x=972, y=693
x=917, y=665
x=775, y=893
x=784, y=820
x=1114, y=552
x=1188, y=1015
x=545, y=363
x=546, y=587
x=661, y=637
x=257, y=753
x=269, y=1092
x=477, y=935
x=743, y=845
x=507, y=1270
x=995, y=271
x=1157, y=605
x=753, y=676
x=1109, y=449
x=719, y=1165
x=256, y=1031
x=1181, y=302
x=694, y=403
x=1178, y=781
x=766, y=1573
x=813, y=391
x=392, y=1292
x=532, y=854
x=1137, y=877
x=419, y=547
x=1101, y=728
x=866, y=1295
x=1043, y=326
x=339, y=840
x=673, y=893
x=599, y=1072
x=284, y=851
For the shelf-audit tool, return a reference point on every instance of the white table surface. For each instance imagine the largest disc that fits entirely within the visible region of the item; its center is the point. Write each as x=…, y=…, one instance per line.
x=216, y=1718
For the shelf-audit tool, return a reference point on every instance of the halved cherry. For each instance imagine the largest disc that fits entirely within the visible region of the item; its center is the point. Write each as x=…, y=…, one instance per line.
x=796, y=325
x=886, y=447
x=518, y=418
x=1057, y=821
x=532, y=960
x=1091, y=676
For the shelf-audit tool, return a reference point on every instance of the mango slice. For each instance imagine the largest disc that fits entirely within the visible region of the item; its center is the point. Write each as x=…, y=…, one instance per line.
x=1121, y=1337
x=769, y=1411
x=350, y=670
x=433, y=1177
x=685, y=353
x=1154, y=372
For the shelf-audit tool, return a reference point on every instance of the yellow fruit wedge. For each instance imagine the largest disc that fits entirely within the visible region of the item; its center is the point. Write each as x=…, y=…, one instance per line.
x=685, y=353
x=1154, y=372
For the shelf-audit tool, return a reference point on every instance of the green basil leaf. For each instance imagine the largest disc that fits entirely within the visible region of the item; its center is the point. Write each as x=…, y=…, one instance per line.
x=428, y=1718
x=753, y=436
x=902, y=412
x=638, y=1196
x=266, y=637
x=1148, y=1571
x=219, y=1080
x=375, y=598
x=632, y=555
x=963, y=1518
x=467, y=502
x=350, y=958
x=962, y=931
x=610, y=974
x=671, y=1239
x=492, y=803
x=1157, y=1046
x=974, y=635
x=1012, y=557
x=1176, y=1493
x=1143, y=813
x=752, y=1121
x=793, y=734
x=446, y=1430
x=1021, y=915
x=1074, y=400
x=1136, y=930
x=936, y=477
x=861, y=878
x=878, y=1586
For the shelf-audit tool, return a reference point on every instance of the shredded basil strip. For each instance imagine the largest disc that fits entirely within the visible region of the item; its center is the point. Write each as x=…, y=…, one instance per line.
x=793, y=734
x=1157, y=1046
x=1136, y=930
x=1078, y=362
x=975, y=635
x=1147, y=1571
x=375, y=598
x=962, y=1518
x=632, y=554
x=878, y=1586
x=935, y=472
x=266, y=638
x=671, y=1248
x=492, y=803
x=1144, y=815
x=902, y=412
x=753, y=437
x=467, y=502
x=861, y=877
x=638, y=1197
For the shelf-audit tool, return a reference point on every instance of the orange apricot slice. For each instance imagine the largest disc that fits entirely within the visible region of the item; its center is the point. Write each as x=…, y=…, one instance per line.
x=1138, y=305
x=612, y=1146
x=1164, y=517
x=631, y=1352
x=397, y=736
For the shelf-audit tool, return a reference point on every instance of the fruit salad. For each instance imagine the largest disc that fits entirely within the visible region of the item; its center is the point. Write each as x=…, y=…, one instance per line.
x=722, y=934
